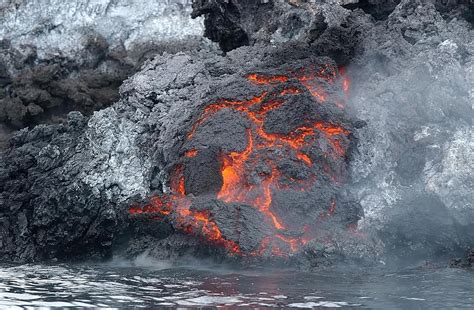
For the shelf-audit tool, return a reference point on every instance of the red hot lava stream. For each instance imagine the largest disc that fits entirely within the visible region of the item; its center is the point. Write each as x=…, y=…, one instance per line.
x=236, y=165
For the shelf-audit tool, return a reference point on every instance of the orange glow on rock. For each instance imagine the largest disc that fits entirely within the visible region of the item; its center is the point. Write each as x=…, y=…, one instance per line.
x=239, y=185
x=191, y=153
x=346, y=81
x=305, y=158
x=293, y=242
x=290, y=91
x=261, y=79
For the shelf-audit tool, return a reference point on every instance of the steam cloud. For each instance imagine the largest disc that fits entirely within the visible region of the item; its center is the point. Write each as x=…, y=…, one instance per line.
x=67, y=189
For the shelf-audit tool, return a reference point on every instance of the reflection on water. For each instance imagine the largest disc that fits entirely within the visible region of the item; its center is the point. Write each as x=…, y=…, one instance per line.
x=121, y=286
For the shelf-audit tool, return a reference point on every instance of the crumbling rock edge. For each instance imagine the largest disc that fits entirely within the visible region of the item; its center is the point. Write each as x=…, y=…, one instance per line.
x=237, y=23
x=74, y=55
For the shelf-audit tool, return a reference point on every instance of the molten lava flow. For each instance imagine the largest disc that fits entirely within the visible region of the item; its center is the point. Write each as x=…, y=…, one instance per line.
x=233, y=174
x=237, y=166
x=316, y=90
x=305, y=158
x=191, y=153
x=264, y=80
x=177, y=208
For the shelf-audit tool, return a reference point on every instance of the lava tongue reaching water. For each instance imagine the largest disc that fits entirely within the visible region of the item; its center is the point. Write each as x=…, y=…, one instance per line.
x=240, y=183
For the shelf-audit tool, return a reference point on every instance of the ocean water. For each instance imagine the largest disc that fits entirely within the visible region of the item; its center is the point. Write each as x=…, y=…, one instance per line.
x=161, y=285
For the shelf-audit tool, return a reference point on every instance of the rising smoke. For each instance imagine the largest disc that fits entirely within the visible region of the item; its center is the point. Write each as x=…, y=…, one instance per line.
x=413, y=83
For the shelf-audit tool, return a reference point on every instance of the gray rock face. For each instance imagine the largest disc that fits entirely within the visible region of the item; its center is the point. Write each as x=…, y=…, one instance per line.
x=57, y=57
x=236, y=23
x=45, y=211
x=60, y=26
x=133, y=151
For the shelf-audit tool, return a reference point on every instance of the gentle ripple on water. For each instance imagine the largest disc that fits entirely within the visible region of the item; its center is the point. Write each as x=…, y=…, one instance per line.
x=87, y=286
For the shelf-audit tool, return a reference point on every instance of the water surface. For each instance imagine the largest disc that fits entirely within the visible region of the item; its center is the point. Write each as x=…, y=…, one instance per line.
x=122, y=285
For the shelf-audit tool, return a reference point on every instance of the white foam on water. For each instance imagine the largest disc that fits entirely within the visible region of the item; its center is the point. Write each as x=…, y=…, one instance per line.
x=280, y=296
x=210, y=300
x=413, y=298
x=324, y=304
x=312, y=297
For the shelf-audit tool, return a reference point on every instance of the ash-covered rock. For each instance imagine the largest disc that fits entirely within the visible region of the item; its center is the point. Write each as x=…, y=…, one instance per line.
x=57, y=57
x=57, y=26
x=44, y=210
x=237, y=23
x=36, y=90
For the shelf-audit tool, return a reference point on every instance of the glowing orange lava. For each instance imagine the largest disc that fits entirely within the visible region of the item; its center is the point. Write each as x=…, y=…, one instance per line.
x=236, y=186
x=262, y=79
x=191, y=153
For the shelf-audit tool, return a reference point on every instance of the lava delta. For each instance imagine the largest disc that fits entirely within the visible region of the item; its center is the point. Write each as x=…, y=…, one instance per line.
x=261, y=175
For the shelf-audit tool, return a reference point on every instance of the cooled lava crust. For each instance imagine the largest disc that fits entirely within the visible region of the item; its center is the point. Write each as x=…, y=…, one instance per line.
x=261, y=167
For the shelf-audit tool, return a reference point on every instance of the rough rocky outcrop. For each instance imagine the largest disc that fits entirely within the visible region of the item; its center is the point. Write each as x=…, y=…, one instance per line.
x=236, y=23
x=69, y=187
x=36, y=90
x=467, y=262
x=58, y=57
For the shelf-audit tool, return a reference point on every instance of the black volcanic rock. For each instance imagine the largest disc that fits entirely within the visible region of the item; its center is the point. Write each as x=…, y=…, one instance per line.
x=236, y=23
x=37, y=90
x=45, y=213
x=53, y=61
x=379, y=9
x=467, y=262
x=70, y=186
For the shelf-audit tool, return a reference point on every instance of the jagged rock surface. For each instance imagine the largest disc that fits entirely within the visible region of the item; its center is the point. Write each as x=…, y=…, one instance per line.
x=412, y=85
x=70, y=186
x=234, y=23
x=237, y=23
x=57, y=57
x=467, y=262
